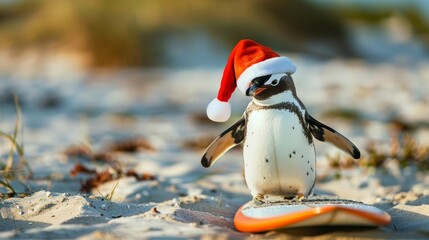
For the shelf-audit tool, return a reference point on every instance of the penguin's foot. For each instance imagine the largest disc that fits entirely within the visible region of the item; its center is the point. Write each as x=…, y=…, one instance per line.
x=259, y=198
x=299, y=197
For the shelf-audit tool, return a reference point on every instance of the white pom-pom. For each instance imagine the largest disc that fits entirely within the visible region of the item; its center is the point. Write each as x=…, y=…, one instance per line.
x=218, y=111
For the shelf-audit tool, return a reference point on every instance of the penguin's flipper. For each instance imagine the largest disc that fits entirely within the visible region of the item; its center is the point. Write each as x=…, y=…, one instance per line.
x=230, y=138
x=324, y=133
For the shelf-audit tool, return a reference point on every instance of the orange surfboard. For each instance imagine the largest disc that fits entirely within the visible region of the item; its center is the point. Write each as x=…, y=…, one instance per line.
x=310, y=212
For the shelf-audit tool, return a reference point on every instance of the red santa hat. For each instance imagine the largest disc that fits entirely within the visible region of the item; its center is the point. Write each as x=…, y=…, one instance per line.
x=247, y=61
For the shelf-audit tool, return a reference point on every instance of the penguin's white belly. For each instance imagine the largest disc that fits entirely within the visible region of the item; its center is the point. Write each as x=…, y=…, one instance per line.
x=278, y=158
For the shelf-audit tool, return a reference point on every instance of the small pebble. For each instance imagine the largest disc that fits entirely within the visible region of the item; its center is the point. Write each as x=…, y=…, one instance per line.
x=103, y=206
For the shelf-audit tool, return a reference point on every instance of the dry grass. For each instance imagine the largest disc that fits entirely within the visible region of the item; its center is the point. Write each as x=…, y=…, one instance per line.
x=404, y=149
x=10, y=170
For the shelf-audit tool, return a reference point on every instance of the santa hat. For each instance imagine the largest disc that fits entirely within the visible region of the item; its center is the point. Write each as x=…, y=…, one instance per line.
x=247, y=61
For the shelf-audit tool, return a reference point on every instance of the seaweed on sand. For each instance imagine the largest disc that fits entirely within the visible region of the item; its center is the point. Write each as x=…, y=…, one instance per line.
x=108, y=153
x=115, y=169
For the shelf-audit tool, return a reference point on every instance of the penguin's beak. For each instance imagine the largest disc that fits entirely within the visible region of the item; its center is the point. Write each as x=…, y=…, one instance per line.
x=255, y=88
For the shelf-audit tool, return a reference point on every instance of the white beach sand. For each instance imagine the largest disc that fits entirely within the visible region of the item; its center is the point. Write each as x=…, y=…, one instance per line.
x=185, y=200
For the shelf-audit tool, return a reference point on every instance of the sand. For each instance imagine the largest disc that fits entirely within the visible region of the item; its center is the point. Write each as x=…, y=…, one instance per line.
x=184, y=200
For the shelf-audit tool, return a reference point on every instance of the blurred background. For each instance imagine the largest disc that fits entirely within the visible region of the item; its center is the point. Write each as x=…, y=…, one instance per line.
x=150, y=33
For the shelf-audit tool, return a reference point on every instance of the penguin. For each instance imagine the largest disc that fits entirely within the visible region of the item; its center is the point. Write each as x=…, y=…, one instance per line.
x=277, y=133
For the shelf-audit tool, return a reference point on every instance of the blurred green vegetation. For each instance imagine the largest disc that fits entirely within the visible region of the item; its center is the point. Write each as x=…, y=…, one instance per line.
x=131, y=32
x=373, y=16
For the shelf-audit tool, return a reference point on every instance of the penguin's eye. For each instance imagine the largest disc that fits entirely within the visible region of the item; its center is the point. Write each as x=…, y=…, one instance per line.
x=274, y=82
x=274, y=79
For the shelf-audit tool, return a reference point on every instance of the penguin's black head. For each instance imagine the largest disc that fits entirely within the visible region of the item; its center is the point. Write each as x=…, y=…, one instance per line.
x=266, y=86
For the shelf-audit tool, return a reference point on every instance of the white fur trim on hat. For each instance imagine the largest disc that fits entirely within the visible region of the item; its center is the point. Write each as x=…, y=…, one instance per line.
x=218, y=111
x=267, y=67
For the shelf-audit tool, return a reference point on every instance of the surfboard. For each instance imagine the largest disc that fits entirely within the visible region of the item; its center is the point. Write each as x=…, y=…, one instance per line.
x=310, y=212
